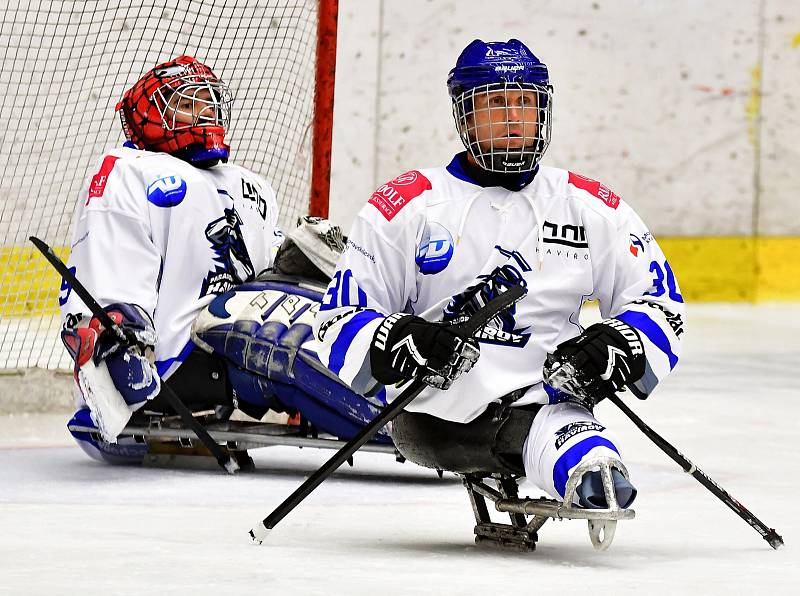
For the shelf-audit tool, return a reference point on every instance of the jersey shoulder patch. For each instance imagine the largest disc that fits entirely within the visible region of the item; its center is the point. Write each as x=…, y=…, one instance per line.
x=390, y=198
x=98, y=184
x=595, y=188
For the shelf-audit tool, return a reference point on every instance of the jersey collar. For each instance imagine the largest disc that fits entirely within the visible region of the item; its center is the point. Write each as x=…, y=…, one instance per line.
x=460, y=168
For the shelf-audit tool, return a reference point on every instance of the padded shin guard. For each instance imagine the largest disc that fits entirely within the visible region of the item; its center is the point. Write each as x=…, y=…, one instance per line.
x=263, y=331
x=562, y=437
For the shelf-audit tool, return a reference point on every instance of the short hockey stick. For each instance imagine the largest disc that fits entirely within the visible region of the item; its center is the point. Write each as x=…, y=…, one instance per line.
x=768, y=534
x=223, y=458
x=470, y=327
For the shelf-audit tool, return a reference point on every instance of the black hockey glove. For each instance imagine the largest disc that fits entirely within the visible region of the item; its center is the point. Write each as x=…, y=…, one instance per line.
x=409, y=347
x=604, y=359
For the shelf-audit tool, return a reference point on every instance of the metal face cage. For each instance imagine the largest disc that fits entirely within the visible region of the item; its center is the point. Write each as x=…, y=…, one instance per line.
x=505, y=126
x=193, y=103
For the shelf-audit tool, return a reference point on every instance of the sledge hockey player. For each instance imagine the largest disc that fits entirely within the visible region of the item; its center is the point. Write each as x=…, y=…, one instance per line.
x=164, y=225
x=435, y=244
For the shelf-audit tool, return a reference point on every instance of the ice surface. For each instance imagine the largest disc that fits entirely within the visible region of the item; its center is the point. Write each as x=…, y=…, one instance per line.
x=70, y=525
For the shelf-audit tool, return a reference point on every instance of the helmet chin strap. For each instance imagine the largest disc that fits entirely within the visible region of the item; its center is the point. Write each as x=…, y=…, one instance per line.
x=510, y=162
x=508, y=180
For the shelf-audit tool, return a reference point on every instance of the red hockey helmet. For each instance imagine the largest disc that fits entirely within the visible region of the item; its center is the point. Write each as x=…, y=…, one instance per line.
x=180, y=107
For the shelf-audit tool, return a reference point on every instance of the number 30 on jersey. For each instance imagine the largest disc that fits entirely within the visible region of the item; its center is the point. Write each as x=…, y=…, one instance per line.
x=343, y=291
x=663, y=274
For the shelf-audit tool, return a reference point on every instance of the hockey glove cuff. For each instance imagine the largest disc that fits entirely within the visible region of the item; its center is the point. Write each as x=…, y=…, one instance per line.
x=606, y=358
x=136, y=324
x=409, y=347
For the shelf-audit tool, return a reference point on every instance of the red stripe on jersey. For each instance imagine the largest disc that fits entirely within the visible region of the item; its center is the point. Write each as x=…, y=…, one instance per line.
x=601, y=191
x=390, y=198
x=98, y=185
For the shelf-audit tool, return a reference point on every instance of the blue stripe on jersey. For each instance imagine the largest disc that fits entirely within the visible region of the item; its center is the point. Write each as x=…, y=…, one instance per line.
x=162, y=366
x=554, y=396
x=573, y=456
x=381, y=395
x=346, y=336
x=654, y=333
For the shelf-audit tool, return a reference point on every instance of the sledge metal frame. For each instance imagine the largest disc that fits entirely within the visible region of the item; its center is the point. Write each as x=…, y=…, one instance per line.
x=521, y=534
x=235, y=434
x=170, y=443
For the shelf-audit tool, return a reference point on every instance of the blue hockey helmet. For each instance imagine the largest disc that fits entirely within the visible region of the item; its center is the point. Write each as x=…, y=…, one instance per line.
x=502, y=104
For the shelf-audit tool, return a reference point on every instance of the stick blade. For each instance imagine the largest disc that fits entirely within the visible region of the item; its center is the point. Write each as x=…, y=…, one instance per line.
x=259, y=534
x=230, y=466
x=773, y=539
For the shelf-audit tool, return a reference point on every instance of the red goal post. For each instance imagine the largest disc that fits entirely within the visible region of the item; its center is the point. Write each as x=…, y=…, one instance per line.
x=65, y=64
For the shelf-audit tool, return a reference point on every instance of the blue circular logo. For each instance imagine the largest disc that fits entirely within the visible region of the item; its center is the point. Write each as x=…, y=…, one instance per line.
x=435, y=250
x=167, y=191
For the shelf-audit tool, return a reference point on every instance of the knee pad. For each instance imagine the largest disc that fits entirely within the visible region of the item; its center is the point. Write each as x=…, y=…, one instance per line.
x=329, y=404
x=252, y=394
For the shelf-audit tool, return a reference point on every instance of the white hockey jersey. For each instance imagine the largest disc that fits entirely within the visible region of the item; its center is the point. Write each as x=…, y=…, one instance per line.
x=434, y=243
x=153, y=230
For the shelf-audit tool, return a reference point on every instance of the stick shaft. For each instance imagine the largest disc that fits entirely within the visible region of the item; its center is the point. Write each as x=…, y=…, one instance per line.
x=769, y=534
x=77, y=287
x=172, y=398
x=478, y=320
x=341, y=456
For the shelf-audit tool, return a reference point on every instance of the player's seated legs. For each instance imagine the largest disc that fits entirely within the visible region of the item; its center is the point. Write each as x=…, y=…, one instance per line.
x=562, y=437
x=201, y=382
x=263, y=332
x=490, y=444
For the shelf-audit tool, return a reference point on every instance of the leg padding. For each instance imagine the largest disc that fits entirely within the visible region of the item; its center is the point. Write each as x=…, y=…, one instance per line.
x=492, y=443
